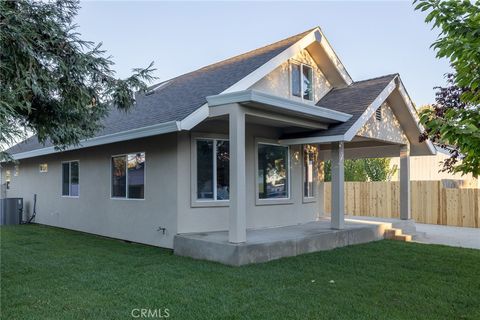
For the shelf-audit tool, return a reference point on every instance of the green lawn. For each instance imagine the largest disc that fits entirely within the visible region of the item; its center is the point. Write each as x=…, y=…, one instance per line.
x=50, y=273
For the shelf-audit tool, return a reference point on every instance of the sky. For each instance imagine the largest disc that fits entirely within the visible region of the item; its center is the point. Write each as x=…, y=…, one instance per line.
x=371, y=38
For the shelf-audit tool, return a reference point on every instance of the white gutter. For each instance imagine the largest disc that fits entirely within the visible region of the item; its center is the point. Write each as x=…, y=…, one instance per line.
x=153, y=130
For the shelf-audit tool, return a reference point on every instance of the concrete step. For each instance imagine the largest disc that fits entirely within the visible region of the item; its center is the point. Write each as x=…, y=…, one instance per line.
x=403, y=237
x=392, y=233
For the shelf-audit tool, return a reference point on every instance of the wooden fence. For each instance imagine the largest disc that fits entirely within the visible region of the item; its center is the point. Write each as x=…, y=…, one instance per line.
x=431, y=202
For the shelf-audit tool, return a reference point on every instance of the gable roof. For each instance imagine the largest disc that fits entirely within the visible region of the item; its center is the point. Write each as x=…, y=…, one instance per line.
x=361, y=99
x=354, y=99
x=181, y=103
x=175, y=99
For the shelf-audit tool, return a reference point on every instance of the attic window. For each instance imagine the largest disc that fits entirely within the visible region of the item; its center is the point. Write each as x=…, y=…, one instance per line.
x=378, y=114
x=302, y=78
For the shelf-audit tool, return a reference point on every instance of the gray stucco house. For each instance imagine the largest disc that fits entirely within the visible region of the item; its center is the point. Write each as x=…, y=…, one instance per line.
x=233, y=146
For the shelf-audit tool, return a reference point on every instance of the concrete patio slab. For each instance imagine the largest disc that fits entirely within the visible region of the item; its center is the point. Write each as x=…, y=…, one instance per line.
x=449, y=236
x=273, y=243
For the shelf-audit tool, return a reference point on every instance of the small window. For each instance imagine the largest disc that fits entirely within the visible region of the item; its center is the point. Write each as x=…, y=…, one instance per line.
x=43, y=167
x=302, y=80
x=128, y=176
x=213, y=169
x=307, y=82
x=309, y=156
x=296, y=81
x=273, y=171
x=378, y=114
x=70, y=179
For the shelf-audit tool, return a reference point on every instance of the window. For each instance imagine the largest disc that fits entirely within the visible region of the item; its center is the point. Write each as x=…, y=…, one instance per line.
x=128, y=176
x=378, y=114
x=273, y=171
x=213, y=170
x=309, y=157
x=70, y=179
x=302, y=79
x=43, y=167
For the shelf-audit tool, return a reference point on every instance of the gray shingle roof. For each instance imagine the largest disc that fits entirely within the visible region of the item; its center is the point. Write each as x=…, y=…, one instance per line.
x=181, y=95
x=353, y=100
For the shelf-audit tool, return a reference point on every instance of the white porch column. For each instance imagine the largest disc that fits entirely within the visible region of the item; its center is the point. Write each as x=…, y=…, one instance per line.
x=338, y=178
x=405, y=203
x=237, y=231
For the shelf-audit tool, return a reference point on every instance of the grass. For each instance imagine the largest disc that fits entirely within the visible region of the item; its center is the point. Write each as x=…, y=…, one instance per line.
x=50, y=273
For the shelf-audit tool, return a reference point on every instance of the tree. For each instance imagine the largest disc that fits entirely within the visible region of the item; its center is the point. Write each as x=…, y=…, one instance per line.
x=54, y=84
x=374, y=169
x=454, y=120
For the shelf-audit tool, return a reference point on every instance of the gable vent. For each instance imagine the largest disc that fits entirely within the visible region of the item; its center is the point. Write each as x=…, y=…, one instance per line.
x=378, y=114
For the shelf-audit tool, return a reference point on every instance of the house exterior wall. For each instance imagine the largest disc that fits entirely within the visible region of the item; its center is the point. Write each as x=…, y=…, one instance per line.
x=94, y=211
x=388, y=129
x=214, y=218
x=278, y=81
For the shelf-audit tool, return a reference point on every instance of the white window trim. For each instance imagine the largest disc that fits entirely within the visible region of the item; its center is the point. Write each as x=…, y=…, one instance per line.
x=306, y=199
x=70, y=178
x=301, y=64
x=273, y=201
x=194, y=201
x=126, y=177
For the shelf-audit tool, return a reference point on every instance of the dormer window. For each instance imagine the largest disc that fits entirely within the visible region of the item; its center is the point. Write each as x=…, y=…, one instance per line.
x=302, y=78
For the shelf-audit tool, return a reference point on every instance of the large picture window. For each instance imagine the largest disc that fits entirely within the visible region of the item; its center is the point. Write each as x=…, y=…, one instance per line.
x=273, y=171
x=70, y=179
x=302, y=80
x=309, y=171
x=128, y=176
x=213, y=175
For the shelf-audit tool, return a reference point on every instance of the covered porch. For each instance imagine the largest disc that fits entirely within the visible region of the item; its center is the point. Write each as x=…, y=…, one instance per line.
x=268, y=244
x=382, y=124
x=301, y=124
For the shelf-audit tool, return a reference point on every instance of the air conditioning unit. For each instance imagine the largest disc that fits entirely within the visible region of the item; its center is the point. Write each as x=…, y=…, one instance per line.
x=11, y=211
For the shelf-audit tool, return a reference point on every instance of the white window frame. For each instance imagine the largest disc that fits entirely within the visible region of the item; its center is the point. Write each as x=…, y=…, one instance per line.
x=301, y=64
x=194, y=201
x=307, y=199
x=273, y=201
x=70, y=178
x=126, y=177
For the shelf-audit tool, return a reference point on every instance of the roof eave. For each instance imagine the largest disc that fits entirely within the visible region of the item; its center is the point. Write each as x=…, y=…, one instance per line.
x=279, y=104
x=157, y=129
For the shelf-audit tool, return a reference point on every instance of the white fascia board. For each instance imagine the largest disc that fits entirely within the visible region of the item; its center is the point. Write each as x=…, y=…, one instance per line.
x=283, y=104
x=334, y=57
x=276, y=61
x=157, y=129
x=413, y=113
x=313, y=140
x=194, y=118
x=368, y=113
